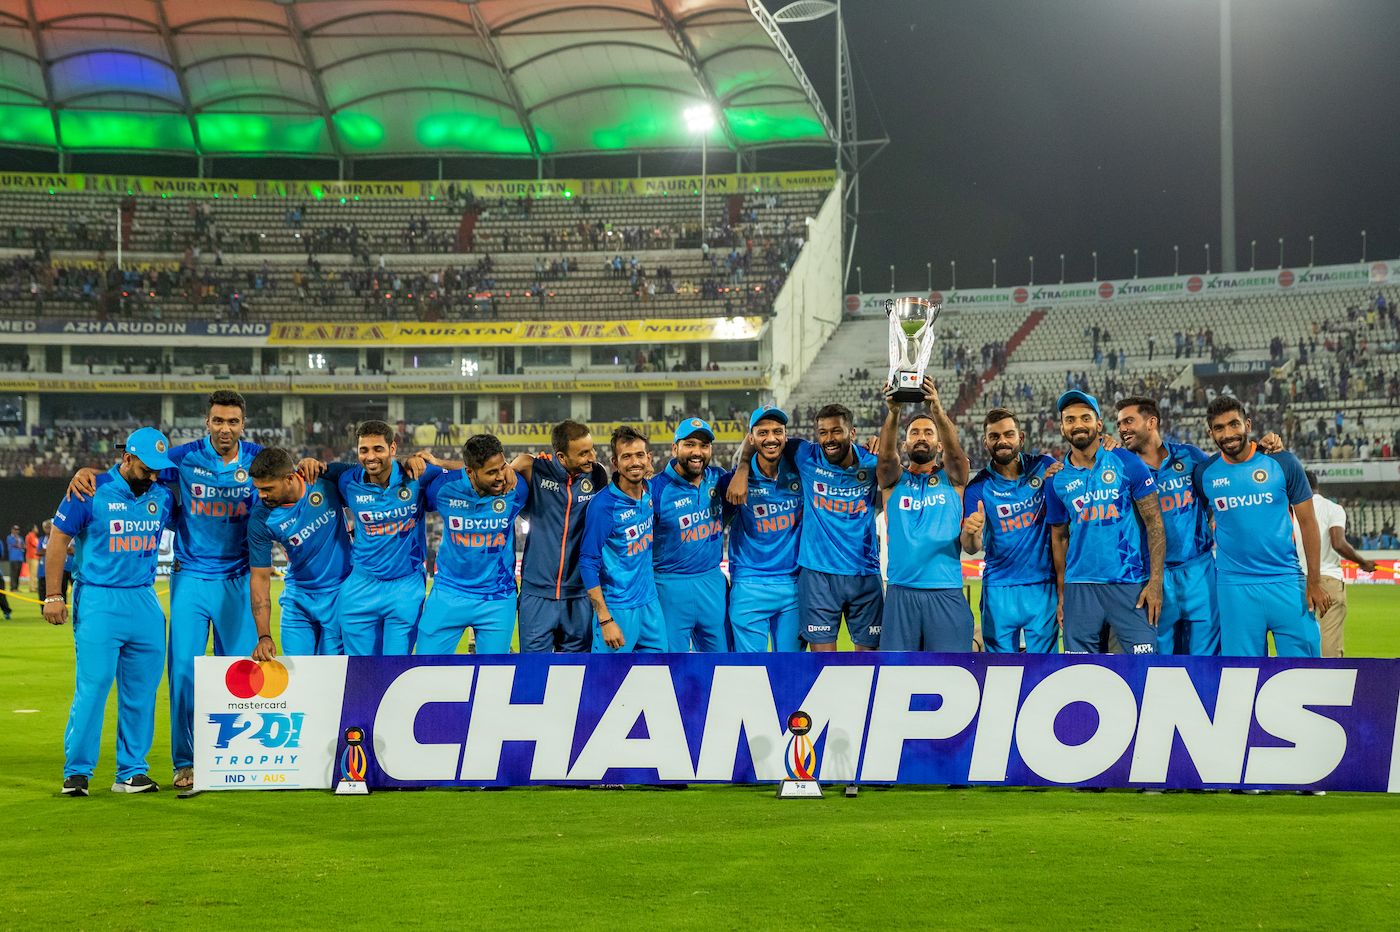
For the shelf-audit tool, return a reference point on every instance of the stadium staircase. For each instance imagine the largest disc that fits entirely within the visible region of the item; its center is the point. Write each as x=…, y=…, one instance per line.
x=466, y=230
x=1017, y=338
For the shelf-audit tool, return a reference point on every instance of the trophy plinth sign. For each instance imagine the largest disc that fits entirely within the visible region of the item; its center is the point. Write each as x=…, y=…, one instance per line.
x=911, y=345
x=801, y=760
x=353, y=764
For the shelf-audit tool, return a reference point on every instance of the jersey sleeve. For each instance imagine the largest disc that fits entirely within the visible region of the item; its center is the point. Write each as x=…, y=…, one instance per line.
x=1140, y=481
x=1055, y=511
x=520, y=497
x=597, y=525
x=1198, y=485
x=431, y=489
x=1295, y=480
x=73, y=515
x=722, y=489
x=259, y=538
x=972, y=496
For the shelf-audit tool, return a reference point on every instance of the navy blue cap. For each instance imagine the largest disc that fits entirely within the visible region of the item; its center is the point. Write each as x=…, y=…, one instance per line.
x=768, y=412
x=693, y=426
x=1075, y=396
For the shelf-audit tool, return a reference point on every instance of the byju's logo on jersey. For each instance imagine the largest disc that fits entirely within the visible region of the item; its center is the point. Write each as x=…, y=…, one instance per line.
x=633, y=532
x=294, y=540
x=455, y=523
x=1222, y=504
x=760, y=511
x=1004, y=511
x=197, y=490
x=1080, y=502
x=819, y=488
x=906, y=502
x=686, y=521
x=114, y=527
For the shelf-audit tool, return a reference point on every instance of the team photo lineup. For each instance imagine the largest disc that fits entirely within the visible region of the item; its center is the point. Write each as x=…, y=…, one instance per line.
x=1138, y=546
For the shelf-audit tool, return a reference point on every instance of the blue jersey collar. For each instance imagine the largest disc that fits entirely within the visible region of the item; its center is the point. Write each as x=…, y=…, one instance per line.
x=219, y=460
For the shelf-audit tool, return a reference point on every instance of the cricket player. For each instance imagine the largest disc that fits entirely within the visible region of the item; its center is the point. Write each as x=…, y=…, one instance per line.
x=615, y=555
x=689, y=543
x=1259, y=585
x=763, y=536
x=118, y=626
x=209, y=586
x=1189, y=623
x=924, y=604
x=307, y=519
x=1106, y=537
x=555, y=614
x=838, y=551
x=381, y=599
x=1333, y=548
x=1004, y=514
x=475, y=580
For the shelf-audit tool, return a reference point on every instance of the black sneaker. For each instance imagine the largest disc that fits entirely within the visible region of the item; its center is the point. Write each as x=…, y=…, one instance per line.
x=76, y=785
x=137, y=784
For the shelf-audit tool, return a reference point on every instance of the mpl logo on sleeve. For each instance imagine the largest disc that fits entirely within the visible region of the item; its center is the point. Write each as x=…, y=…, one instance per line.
x=266, y=725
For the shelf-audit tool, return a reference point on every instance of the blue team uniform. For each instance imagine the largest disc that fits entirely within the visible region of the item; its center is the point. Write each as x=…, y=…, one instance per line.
x=1107, y=561
x=383, y=596
x=763, y=537
x=924, y=604
x=118, y=626
x=686, y=553
x=615, y=554
x=1018, y=577
x=312, y=533
x=1259, y=583
x=1189, y=623
x=209, y=582
x=554, y=610
x=475, y=579
x=838, y=550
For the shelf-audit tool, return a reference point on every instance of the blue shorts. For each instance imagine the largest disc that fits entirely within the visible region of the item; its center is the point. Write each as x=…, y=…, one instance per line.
x=825, y=597
x=695, y=609
x=549, y=625
x=643, y=630
x=198, y=605
x=926, y=619
x=762, y=608
x=309, y=622
x=378, y=616
x=447, y=613
x=1189, y=622
x=118, y=634
x=1012, y=612
x=1088, y=606
x=1250, y=611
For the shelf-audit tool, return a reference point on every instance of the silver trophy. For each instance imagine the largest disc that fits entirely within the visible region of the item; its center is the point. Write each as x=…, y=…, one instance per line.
x=911, y=345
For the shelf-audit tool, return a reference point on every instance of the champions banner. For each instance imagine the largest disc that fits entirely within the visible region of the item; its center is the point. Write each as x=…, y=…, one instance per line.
x=1005, y=720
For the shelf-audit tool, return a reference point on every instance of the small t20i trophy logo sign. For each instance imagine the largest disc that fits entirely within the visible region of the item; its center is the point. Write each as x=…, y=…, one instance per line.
x=353, y=764
x=801, y=761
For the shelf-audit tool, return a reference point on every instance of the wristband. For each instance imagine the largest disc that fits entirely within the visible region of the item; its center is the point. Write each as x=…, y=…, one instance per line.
x=605, y=621
x=53, y=598
x=261, y=636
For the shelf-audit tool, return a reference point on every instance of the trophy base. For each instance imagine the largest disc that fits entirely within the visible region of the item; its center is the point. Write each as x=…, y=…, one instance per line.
x=799, y=789
x=908, y=387
x=352, y=788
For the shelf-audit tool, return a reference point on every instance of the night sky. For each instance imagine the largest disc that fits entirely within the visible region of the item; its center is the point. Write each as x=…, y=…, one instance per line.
x=1026, y=127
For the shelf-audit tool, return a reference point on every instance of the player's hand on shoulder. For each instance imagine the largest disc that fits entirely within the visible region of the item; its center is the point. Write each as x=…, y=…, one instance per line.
x=1271, y=443
x=974, y=522
x=1054, y=468
x=414, y=465
x=83, y=484
x=1109, y=442
x=311, y=469
x=738, y=491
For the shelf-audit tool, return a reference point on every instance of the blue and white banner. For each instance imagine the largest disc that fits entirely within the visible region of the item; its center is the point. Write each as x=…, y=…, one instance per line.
x=1010, y=720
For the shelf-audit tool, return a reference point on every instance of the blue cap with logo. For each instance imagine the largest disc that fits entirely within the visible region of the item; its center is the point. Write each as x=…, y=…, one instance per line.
x=1075, y=397
x=693, y=427
x=767, y=413
x=150, y=447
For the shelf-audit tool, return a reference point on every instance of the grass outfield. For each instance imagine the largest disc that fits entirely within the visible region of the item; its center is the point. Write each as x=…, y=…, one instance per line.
x=719, y=857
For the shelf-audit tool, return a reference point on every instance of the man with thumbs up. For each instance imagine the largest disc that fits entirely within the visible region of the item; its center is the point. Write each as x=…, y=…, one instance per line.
x=1004, y=509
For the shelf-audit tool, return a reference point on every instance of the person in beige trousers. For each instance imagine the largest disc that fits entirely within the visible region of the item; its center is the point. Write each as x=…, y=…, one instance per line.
x=1331, y=524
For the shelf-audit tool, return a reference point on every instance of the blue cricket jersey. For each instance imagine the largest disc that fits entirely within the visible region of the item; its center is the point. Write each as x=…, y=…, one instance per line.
x=477, y=553
x=216, y=498
x=923, y=522
x=1252, y=504
x=763, y=532
x=1107, y=542
x=838, y=524
x=1186, y=523
x=689, y=528
x=116, y=533
x=615, y=552
x=1016, y=536
x=312, y=532
x=390, y=531
x=555, y=510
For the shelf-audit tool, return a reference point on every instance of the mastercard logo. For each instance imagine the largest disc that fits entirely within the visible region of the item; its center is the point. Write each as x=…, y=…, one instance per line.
x=247, y=678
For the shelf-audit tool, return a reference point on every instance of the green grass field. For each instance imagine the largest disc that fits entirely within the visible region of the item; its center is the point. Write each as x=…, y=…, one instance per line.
x=722, y=857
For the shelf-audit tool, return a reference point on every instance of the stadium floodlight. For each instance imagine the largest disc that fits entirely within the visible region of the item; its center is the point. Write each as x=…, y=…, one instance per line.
x=1363, y=246
x=1176, y=260
x=1096, y=264
x=953, y=267
x=930, y=275
x=1207, y=258
x=1280, y=252
x=1252, y=243
x=1062, y=268
x=1031, y=260
x=892, y=278
x=805, y=11
x=860, y=282
x=1312, y=253
x=994, y=273
x=701, y=119
x=1135, y=261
